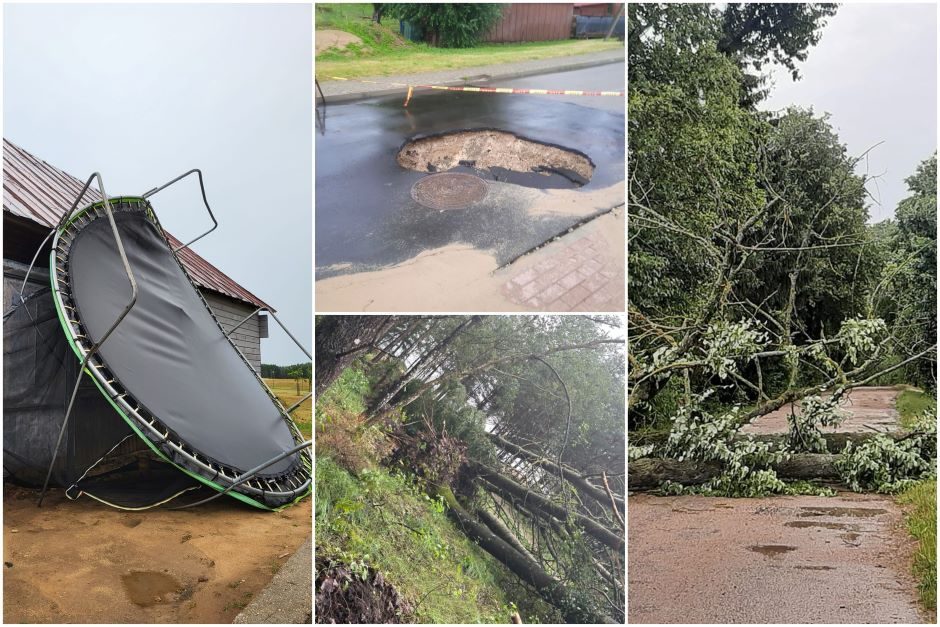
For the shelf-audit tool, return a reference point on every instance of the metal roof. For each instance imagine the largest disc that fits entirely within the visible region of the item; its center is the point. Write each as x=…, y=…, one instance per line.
x=41, y=192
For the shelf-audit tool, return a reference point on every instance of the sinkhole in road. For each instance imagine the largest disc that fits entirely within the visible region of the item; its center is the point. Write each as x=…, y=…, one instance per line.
x=497, y=155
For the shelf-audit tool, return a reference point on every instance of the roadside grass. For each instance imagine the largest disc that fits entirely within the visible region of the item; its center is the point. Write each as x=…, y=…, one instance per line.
x=423, y=58
x=921, y=515
x=911, y=404
x=383, y=52
x=286, y=392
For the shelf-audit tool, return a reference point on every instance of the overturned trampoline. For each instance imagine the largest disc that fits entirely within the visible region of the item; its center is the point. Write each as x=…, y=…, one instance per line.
x=121, y=384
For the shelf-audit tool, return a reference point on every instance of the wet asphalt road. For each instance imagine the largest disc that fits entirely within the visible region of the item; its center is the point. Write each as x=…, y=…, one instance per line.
x=365, y=216
x=792, y=559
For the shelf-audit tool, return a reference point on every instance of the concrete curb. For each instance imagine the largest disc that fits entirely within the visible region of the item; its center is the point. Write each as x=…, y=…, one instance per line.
x=288, y=599
x=491, y=76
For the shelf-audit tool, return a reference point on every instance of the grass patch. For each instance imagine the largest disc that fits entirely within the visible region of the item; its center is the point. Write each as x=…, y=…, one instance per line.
x=383, y=52
x=423, y=58
x=911, y=404
x=921, y=500
x=382, y=520
x=286, y=390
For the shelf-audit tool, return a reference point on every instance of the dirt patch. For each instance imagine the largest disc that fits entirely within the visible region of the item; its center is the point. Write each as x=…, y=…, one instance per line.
x=82, y=562
x=492, y=152
x=147, y=587
x=326, y=39
x=747, y=565
x=347, y=595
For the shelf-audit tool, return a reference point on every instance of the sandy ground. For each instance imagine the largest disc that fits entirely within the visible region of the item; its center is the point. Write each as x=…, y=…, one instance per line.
x=870, y=409
x=460, y=277
x=82, y=562
x=695, y=559
x=326, y=39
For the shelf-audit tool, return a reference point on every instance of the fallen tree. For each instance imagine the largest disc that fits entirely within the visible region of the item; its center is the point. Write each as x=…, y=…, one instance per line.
x=537, y=503
x=574, y=609
x=569, y=474
x=835, y=442
x=649, y=473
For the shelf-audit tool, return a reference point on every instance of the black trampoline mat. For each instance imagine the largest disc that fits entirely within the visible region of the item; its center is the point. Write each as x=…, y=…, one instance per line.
x=169, y=353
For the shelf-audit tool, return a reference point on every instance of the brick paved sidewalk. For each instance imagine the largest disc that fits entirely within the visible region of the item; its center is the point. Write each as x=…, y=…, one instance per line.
x=337, y=91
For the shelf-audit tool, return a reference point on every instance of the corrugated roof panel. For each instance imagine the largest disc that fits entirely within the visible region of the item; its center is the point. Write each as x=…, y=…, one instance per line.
x=41, y=192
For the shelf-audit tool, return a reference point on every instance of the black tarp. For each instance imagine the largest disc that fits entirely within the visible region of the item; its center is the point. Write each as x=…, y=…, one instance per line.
x=39, y=370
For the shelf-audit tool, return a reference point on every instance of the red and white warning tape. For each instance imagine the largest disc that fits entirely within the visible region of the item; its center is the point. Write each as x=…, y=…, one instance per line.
x=487, y=90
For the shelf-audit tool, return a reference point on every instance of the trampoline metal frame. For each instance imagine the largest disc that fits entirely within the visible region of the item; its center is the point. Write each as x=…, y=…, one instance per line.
x=92, y=364
x=94, y=349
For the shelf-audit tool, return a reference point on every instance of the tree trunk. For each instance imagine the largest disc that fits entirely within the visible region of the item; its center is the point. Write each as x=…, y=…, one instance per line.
x=570, y=474
x=340, y=339
x=499, y=528
x=835, y=442
x=649, y=473
x=550, y=589
x=537, y=503
x=410, y=371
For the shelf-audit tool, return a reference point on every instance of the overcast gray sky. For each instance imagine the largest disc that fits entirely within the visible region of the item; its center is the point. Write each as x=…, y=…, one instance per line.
x=875, y=71
x=143, y=93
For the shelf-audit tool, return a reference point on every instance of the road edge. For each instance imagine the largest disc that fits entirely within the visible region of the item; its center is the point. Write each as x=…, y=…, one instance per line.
x=288, y=598
x=473, y=80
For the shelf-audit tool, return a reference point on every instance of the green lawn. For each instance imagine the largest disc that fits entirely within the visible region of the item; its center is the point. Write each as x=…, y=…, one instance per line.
x=289, y=391
x=911, y=404
x=384, y=53
x=921, y=507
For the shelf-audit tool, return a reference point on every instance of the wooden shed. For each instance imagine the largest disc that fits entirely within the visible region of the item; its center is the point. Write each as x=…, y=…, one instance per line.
x=532, y=22
x=36, y=194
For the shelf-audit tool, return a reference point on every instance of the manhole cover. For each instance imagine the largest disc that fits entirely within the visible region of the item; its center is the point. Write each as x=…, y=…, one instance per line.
x=449, y=190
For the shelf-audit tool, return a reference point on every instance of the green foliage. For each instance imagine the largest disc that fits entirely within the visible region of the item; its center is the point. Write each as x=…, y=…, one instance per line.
x=858, y=337
x=745, y=463
x=726, y=342
x=803, y=434
x=921, y=516
x=885, y=465
x=449, y=25
x=906, y=295
x=292, y=371
x=761, y=33
x=386, y=522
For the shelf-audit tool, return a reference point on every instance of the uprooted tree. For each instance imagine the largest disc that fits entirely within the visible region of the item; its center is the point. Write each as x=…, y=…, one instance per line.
x=517, y=424
x=755, y=282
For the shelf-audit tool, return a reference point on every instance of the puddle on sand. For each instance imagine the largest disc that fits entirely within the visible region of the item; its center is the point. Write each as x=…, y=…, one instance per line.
x=802, y=524
x=856, y=512
x=771, y=550
x=148, y=587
